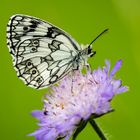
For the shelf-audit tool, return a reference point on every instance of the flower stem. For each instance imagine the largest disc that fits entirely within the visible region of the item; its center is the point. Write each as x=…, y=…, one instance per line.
x=97, y=129
x=80, y=127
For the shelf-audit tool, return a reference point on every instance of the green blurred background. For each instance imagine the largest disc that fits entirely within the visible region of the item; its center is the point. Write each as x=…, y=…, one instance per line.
x=83, y=20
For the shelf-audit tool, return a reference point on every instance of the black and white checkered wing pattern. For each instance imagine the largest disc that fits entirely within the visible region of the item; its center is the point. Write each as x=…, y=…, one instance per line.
x=42, y=53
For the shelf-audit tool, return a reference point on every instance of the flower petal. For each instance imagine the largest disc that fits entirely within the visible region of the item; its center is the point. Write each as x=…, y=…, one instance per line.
x=116, y=68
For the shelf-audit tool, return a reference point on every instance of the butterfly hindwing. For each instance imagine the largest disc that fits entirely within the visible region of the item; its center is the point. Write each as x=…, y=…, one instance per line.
x=42, y=53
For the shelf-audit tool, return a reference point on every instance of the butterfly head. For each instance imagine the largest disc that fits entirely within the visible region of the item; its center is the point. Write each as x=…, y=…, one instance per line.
x=90, y=52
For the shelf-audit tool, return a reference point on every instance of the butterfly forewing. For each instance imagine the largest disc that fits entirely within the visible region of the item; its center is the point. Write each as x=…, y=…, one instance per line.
x=42, y=53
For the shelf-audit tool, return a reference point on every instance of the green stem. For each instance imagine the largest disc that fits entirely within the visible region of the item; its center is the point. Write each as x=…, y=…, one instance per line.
x=80, y=127
x=97, y=129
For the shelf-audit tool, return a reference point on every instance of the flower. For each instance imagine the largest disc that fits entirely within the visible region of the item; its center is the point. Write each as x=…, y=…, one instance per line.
x=77, y=98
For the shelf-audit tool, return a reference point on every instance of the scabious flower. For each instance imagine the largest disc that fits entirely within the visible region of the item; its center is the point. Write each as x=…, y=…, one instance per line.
x=77, y=98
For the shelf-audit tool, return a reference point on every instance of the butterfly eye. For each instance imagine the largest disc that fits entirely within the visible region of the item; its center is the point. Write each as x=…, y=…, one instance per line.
x=89, y=50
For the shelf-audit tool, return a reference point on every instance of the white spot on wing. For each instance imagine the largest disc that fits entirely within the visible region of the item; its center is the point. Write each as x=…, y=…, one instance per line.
x=60, y=55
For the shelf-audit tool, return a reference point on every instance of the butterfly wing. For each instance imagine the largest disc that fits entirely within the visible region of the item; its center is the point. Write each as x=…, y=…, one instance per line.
x=42, y=53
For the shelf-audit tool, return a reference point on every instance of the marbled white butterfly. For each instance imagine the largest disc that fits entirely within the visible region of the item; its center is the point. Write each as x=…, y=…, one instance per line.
x=42, y=53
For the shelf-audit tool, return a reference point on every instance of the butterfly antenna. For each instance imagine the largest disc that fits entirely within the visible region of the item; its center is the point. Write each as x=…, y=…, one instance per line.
x=104, y=31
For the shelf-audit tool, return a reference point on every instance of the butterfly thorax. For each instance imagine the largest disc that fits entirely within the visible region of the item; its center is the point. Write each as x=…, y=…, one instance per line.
x=80, y=59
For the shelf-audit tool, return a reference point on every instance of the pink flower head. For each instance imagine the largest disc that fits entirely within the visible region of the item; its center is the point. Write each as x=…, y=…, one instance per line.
x=77, y=98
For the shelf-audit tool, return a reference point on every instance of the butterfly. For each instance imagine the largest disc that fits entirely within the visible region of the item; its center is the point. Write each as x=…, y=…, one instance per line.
x=43, y=53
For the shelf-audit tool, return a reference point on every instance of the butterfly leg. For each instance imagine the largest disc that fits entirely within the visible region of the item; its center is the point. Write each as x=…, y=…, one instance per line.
x=72, y=80
x=88, y=68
